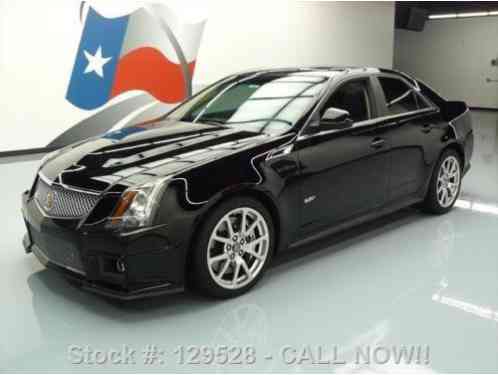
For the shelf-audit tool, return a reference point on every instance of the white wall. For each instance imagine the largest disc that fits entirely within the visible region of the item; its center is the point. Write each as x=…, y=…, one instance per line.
x=39, y=40
x=454, y=56
x=242, y=35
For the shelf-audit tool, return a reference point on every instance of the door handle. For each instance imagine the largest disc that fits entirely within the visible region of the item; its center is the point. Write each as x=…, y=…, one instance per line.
x=377, y=143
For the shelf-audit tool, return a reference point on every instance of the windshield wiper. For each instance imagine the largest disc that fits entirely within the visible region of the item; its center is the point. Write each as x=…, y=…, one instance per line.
x=259, y=120
x=211, y=121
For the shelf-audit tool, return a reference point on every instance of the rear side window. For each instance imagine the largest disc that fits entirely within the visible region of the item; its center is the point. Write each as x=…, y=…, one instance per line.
x=400, y=97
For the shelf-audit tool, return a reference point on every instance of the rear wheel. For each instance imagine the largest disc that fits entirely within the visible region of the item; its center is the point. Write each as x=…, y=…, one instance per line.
x=234, y=247
x=445, y=184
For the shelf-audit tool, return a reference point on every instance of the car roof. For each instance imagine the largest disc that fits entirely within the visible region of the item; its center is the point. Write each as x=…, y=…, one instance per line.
x=334, y=71
x=317, y=69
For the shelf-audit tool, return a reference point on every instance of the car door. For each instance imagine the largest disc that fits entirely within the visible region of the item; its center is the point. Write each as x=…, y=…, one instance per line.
x=344, y=173
x=415, y=137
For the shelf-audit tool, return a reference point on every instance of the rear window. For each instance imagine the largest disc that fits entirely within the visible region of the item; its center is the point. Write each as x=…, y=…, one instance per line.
x=400, y=97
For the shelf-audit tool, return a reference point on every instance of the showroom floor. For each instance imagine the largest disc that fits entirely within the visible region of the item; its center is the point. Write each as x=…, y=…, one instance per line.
x=405, y=280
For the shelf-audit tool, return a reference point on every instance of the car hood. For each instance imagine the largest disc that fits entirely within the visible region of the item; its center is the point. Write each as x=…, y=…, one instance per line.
x=137, y=154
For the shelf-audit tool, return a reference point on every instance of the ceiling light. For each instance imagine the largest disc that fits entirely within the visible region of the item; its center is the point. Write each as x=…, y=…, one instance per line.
x=441, y=16
x=463, y=15
x=472, y=14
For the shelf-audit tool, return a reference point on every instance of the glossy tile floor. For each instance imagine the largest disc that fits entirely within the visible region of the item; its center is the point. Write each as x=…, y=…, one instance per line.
x=405, y=280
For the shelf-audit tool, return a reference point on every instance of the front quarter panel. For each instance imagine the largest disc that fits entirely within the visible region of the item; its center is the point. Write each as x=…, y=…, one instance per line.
x=262, y=171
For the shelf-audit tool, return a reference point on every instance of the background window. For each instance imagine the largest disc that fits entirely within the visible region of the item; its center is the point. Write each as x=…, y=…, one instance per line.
x=400, y=97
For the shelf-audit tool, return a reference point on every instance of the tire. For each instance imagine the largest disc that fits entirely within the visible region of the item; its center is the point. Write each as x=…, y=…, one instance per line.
x=214, y=254
x=434, y=202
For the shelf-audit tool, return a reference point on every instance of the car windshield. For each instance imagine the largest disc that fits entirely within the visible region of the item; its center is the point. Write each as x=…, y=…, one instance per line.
x=268, y=103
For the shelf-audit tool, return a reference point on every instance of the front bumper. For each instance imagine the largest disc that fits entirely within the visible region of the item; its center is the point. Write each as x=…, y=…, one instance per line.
x=122, y=266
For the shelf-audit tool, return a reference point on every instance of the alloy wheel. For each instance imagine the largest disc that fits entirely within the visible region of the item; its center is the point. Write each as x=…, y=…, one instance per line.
x=448, y=181
x=238, y=248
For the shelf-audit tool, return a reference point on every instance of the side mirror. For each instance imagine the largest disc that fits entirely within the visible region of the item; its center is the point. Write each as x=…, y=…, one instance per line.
x=335, y=118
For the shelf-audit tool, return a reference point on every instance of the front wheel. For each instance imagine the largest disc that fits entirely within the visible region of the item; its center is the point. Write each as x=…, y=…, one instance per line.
x=233, y=249
x=445, y=184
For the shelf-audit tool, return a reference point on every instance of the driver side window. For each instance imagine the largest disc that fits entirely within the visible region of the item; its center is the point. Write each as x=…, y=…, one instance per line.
x=352, y=97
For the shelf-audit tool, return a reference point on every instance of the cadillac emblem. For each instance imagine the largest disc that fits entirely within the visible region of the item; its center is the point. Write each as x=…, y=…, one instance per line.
x=49, y=201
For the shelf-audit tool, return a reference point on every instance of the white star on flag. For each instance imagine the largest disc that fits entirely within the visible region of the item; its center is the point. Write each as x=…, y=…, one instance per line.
x=96, y=62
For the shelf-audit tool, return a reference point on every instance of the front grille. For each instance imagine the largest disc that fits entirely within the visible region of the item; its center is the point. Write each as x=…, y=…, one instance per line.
x=60, y=202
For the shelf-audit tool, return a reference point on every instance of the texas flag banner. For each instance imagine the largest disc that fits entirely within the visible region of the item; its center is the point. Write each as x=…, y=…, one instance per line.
x=147, y=50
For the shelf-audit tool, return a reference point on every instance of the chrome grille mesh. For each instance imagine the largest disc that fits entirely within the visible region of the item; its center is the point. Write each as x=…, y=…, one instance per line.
x=57, y=201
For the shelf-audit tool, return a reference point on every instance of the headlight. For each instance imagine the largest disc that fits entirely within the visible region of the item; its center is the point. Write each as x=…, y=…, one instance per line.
x=138, y=205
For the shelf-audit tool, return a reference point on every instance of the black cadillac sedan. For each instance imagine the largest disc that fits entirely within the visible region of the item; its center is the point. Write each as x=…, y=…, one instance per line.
x=245, y=170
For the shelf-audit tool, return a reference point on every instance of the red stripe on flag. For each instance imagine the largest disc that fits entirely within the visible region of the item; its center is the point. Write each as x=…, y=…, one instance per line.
x=149, y=70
